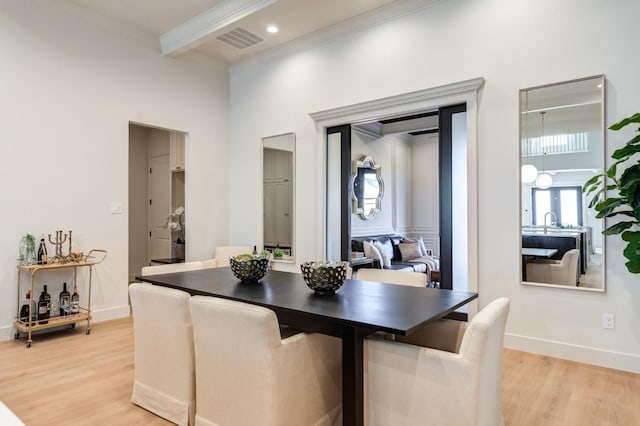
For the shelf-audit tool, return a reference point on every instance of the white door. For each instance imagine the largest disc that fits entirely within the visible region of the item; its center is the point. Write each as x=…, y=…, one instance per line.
x=159, y=207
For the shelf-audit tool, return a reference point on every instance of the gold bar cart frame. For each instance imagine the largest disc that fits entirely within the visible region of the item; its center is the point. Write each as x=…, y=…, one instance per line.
x=84, y=314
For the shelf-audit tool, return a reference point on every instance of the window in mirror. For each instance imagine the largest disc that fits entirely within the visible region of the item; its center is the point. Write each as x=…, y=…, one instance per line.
x=565, y=202
x=561, y=136
x=368, y=188
x=278, y=155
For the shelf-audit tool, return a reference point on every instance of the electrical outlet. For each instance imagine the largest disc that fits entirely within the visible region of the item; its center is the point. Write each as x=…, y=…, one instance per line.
x=608, y=321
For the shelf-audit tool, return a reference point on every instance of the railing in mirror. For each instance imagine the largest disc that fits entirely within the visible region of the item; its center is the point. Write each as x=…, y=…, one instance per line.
x=562, y=145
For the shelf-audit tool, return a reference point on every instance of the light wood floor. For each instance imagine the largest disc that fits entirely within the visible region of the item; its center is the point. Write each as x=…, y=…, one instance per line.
x=71, y=378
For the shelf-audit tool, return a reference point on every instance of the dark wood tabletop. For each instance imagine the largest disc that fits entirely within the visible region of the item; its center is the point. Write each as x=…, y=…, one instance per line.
x=357, y=309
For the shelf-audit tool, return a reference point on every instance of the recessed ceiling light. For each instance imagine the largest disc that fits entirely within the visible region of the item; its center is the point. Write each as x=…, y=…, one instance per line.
x=272, y=29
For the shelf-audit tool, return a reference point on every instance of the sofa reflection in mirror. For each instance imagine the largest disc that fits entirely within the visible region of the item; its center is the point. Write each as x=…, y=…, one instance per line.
x=562, y=146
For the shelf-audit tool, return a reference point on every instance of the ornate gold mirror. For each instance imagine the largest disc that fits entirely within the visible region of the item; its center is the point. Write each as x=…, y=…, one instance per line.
x=562, y=145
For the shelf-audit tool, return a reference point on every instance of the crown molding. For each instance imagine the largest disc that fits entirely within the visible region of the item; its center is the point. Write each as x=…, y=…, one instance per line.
x=192, y=33
x=390, y=104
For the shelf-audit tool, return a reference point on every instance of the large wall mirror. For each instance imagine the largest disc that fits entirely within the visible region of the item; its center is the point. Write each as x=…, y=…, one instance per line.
x=562, y=145
x=278, y=165
x=367, y=188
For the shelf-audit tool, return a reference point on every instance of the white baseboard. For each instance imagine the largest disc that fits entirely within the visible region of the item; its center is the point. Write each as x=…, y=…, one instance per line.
x=98, y=315
x=586, y=354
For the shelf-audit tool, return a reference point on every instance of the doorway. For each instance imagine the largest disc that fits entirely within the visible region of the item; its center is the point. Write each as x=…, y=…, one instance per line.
x=465, y=267
x=156, y=189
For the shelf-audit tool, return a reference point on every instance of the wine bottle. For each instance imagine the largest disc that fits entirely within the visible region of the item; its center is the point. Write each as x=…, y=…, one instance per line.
x=75, y=300
x=28, y=306
x=42, y=252
x=44, y=306
x=255, y=251
x=65, y=301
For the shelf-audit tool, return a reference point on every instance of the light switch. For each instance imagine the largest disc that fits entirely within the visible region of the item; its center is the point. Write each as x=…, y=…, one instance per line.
x=116, y=207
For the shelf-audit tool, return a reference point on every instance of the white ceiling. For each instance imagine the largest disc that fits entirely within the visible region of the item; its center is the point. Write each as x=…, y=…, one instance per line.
x=187, y=25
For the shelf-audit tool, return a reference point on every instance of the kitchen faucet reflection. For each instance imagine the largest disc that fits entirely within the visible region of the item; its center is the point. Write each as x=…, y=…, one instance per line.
x=555, y=218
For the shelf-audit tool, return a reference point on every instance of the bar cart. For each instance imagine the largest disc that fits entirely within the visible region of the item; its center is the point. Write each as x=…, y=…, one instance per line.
x=30, y=324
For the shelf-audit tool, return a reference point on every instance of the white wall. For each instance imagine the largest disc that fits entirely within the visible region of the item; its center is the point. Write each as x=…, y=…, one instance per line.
x=138, y=196
x=425, y=187
x=381, y=151
x=70, y=83
x=449, y=42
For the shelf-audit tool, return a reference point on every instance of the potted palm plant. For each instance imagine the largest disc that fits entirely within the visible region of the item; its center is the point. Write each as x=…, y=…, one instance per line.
x=625, y=182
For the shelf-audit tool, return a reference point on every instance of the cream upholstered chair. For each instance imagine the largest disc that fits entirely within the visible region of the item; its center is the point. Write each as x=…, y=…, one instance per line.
x=409, y=278
x=413, y=385
x=223, y=253
x=564, y=271
x=172, y=267
x=416, y=279
x=241, y=356
x=164, y=380
x=209, y=263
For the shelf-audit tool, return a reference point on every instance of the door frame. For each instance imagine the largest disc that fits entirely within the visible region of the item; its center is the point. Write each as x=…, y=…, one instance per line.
x=464, y=92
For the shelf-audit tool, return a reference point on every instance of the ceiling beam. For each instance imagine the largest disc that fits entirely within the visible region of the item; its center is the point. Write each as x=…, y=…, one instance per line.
x=192, y=33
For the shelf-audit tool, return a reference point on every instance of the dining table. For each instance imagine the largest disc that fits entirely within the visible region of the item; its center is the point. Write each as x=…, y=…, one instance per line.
x=356, y=310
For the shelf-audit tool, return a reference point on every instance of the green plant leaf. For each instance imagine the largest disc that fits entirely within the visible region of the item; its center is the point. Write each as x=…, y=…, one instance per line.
x=635, y=118
x=609, y=205
x=595, y=200
x=591, y=183
x=631, y=251
x=628, y=213
x=633, y=266
x=625, y=152
x=630, y=236
x=617, y=228
x=611, y=171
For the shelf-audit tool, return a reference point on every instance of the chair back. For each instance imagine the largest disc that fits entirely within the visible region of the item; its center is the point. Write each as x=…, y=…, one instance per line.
x=209, y=263
x=172, y=267
x=569, y=264
x=234, y=344
x=164, y=380
x=482, y=344
x=223, y=253
x=416, y=279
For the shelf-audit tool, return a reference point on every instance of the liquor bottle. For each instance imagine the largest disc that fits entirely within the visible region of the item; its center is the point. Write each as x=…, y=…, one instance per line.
x=75, y=300
x=255, y=251
x=44, y=306
x=65, y=301
x=24, y=310
x=42, y=252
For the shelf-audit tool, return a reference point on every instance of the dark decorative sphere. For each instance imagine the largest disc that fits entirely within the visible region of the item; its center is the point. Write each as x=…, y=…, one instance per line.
x=324, y=278
x=249, y=269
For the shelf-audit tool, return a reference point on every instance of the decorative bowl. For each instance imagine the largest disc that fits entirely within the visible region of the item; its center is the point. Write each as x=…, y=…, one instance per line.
x=323, y=277
x=249, y=269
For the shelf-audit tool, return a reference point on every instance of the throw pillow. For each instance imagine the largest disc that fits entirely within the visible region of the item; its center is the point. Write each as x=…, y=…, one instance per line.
x=372, y=252
x=410, y=251
x=423, y=249
x=386, y=250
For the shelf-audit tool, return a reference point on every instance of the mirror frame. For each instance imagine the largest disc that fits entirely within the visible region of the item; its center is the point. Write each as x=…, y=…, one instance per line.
x=366, y=163
x=603, y=165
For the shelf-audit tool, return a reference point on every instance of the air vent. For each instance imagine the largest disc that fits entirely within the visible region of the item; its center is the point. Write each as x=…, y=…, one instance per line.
x=240, y=38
